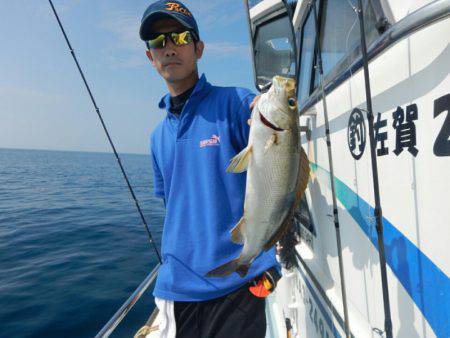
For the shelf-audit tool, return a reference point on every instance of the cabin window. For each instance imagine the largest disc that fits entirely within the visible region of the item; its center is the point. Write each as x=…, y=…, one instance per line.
x=292, y=4
x=340, y=36
x=274, y=50
x=308, y=37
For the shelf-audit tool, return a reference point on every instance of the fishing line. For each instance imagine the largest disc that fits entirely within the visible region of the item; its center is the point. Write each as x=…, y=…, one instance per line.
x=319, y=66
x=376, y=188
x=97, y=110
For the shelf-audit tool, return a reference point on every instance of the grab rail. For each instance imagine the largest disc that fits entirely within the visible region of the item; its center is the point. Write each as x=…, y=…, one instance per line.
x=128, y=305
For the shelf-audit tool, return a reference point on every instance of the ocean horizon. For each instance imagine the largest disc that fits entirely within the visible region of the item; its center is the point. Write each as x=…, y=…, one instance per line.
x=73, y=151
x=72, y=245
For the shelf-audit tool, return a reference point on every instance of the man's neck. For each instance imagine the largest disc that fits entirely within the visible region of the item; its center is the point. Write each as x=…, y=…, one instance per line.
x=178, y=88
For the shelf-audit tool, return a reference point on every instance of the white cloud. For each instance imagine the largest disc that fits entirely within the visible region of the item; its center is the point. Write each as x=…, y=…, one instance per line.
x=125, y=27
x=216, y=13
x=66, y=5
x=227, y=49
x=15, y=96
x=124, y=49
x=127, y=61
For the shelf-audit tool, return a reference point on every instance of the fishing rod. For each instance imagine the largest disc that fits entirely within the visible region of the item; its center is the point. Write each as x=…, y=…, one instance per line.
x=376, y=188
x=330, y=163
x=97, y=110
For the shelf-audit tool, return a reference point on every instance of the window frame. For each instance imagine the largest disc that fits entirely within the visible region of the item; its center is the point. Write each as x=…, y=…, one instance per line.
x=350, y=57
x=346, y=62
x=301, y=54
x=257, y=24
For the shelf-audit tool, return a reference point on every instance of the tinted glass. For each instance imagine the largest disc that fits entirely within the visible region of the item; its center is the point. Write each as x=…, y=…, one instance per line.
x=274, y=50
x=340, y=35
x=252, y=3
x=306, y=58
x=292, y=4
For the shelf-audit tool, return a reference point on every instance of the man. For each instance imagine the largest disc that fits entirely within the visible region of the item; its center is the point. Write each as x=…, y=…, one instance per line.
x=191, y=148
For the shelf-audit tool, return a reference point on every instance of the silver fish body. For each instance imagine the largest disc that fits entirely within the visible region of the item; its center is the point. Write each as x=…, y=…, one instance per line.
x=277, y=174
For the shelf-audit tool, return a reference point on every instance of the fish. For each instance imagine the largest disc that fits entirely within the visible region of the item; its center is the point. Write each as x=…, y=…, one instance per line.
x=277, y=175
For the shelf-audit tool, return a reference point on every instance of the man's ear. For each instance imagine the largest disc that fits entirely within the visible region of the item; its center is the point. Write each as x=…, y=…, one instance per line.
x=150, y=57
x=199, y=47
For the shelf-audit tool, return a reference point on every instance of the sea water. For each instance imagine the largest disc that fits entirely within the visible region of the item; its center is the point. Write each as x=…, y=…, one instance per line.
x=72, y=245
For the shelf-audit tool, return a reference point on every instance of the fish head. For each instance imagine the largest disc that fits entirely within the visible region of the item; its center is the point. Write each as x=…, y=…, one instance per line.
x=279, y=103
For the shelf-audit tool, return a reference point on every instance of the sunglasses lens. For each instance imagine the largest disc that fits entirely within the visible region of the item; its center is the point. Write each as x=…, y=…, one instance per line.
x=183, y=38
x=158, y=42
x=179, y=39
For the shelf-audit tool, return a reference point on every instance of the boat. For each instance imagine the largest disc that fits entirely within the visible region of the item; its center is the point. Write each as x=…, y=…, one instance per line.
x=368, y=255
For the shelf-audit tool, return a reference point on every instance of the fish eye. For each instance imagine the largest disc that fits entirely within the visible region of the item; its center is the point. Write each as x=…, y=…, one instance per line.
x=292, y=102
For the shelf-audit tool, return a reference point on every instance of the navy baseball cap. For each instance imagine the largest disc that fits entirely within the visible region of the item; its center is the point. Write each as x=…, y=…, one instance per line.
x=163, y=9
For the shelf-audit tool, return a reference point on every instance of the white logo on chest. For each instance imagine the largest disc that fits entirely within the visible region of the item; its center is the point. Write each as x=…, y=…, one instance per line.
x=211, y=142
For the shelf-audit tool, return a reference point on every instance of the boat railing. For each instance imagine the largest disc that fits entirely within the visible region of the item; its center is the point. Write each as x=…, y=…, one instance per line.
x=111, y=325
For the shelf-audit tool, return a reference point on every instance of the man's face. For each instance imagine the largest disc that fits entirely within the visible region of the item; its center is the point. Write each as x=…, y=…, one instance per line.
x=174, y=63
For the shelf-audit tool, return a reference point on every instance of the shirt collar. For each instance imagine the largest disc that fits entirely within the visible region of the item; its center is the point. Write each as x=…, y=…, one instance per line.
x=201, y=87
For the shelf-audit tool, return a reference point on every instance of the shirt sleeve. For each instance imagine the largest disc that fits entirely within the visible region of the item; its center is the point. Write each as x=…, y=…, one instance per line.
x=158, y=181
x=241, y=129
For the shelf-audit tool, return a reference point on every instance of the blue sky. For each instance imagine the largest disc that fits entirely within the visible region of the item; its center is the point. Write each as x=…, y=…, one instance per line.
x=43, y=104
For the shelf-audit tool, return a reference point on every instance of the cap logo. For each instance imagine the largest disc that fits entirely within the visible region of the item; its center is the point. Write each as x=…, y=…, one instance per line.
x=173, y=6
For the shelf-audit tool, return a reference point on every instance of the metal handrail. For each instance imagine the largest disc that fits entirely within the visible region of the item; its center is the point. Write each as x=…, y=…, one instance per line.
x=128, y=305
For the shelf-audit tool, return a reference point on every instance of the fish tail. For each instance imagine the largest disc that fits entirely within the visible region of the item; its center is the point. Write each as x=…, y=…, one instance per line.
x=228, y=268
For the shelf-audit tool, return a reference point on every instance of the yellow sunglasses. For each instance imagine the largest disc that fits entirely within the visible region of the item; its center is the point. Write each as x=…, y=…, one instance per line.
x=178, y=38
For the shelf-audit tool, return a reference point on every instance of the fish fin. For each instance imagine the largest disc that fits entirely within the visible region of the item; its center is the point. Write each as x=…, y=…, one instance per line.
x=270, y=142
x=236, y=232
x=228, y=268
x=281, y=231
x=239, y=163
x=302, y=178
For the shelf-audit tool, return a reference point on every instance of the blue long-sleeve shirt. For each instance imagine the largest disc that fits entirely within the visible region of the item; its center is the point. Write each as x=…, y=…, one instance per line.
x=190, y=155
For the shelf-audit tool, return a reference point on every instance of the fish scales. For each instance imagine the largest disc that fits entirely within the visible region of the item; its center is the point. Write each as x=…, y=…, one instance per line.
x=272, y=160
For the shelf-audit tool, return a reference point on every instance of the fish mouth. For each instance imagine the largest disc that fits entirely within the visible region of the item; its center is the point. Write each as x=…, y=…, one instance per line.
x=268, y=123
